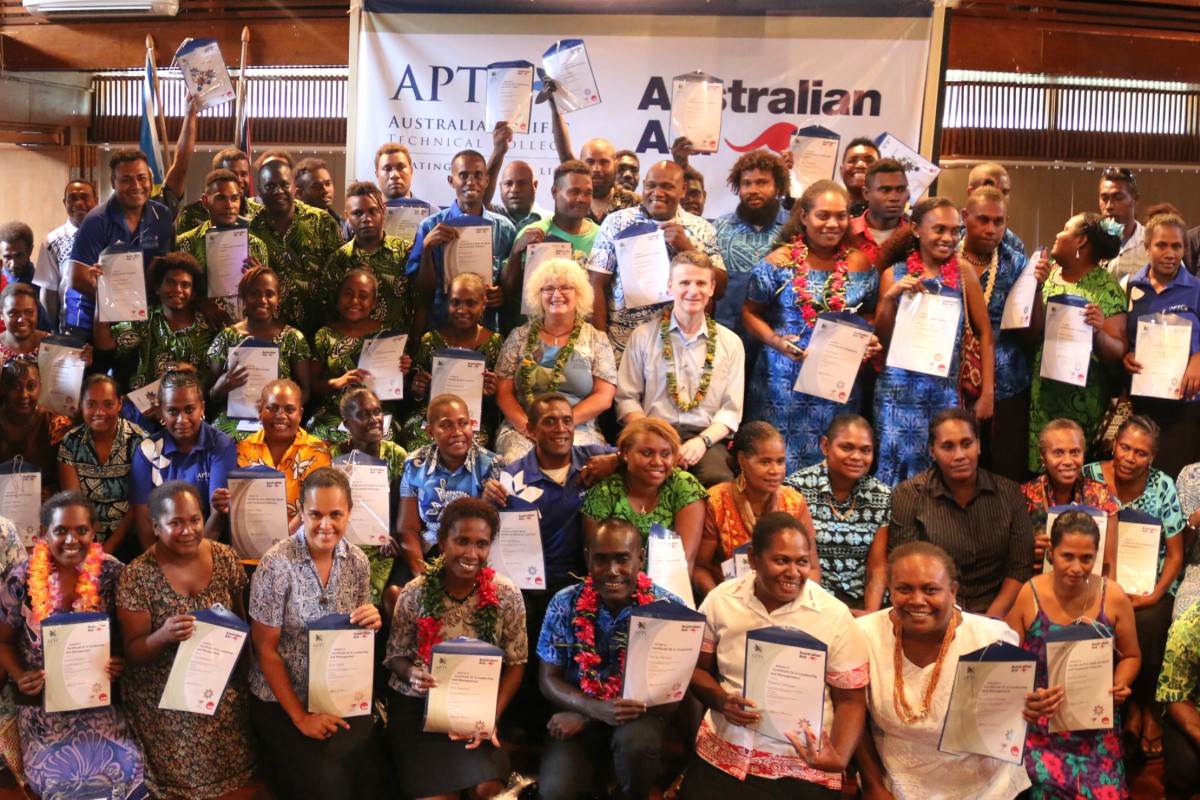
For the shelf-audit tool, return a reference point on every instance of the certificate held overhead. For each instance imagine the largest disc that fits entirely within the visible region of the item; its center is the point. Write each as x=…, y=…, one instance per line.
x=509, y=95
x=696, y=102
x=567, y=63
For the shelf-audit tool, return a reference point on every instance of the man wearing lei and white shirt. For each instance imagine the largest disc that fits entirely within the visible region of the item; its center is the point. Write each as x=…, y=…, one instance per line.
x=701, y=400
x=591, y=725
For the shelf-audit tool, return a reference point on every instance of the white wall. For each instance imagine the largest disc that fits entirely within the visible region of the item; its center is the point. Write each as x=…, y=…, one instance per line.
x=35, y=180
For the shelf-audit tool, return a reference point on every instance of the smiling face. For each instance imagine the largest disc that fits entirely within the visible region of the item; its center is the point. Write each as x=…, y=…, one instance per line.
x=781, y=570
x=20, y=393
x=78, y=200
x=572, y=194
x=468, y=177
x=262, y=298
x=938, y=232
x=183, y=412
x=649, y=458
x=826, y=223
x=315, y=187
x=465, y=305
x=558, y=297
x=554, y=431
x=1133, y=454
x=365, y=422
x=280, y=414
x=275, y=188
x=691, y=286
x=854, y=166
x=1166, y=252
x=132, y=182
x=175, y=290
x=956, y=450
x=1063, y=456
x=985, y=223
x=922, y=594
x=450, y=428
x=326, y=512
x=19, y=313
x=223, y=199
x=1068, y=241
x=180, y=528
x=356, y=298
x=466, y=548
x=662, y=191
x=614, y=559
x=764, y=469
x=850, y=453
x=101, y=407
x=1073, y=558
x=69, y=535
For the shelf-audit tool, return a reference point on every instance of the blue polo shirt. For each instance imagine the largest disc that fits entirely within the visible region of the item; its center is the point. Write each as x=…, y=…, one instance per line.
x=1181, y=296
x=105, y=226
x=557, y=507
x=434, y=486
x=206, y=467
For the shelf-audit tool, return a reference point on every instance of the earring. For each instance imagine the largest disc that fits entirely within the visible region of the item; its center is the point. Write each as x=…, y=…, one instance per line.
x=1076, y=253
x=740, y=483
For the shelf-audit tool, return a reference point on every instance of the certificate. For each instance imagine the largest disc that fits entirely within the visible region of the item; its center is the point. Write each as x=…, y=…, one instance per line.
x=145, y=398
x=664, y=643
x=785, y=679
x=225, y=254
x=509, y=95
x=21, y=498
x=643, y=265
x=921, y=171
x=341, y=667
x=1018, y=307
x=261, y=361
x=1067, y=348
x=814, y=152
x=1079, y=658
x=459, y=372
x=517, y=550
x=402, y=217
x=77, y=650
x=1098, y=516
x=567, y=63
x=471, y=251
x=257, y=510
x=121, y=287
x=60, y=364
x=925, y=333
x=1139, y=537
x=204, y=73
x=835, y=352
x=738, y=564
x=370, y=517
x=467, y=672
x=696, y=100
x=538, y=254
x=1164, y=344
x=380, y=356
x=668, y=565
x=203, y=664
x=986, y=701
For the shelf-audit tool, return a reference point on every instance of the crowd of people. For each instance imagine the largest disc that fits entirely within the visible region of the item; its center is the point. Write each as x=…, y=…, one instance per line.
x=921, y=515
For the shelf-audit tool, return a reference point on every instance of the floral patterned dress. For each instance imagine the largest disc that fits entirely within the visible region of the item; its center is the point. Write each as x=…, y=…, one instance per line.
x=293, y=351
x=1073, y=765
x=414, y=435
x=337, y=354
x=188, y=755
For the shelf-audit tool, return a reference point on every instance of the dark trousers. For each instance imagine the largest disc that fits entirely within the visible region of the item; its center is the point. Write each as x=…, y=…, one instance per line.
x=706, y=782
x=1004, y=441
x=1152, y=624
x=1181, y=762
x=1180, y=429
x=530, y=711
x=574, y=769
x=713, y=466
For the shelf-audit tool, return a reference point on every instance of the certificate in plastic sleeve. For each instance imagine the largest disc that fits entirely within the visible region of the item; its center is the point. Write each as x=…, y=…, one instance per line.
x=814, y=150
x=664, y=644
x=225, y=254
x=509, y=95
x=1018, y=307
x=517, y=550
x=60, y=365
x=835, y=353
x=926, y=331
x=370, y=518
x=403, y=216
x=697, y=99
x=1079, y=658
x=738, y=564
x=204, y=72
x=77, y=650
x=459, y=372
x=341, y=667
x=986, y=700
x=567, y=63
x=785, y=679
x=464, y=701
x=1139, y=539
x=643, y=265
x=1164, y=345
x=21, y=497
x=668, y=564
x=257, y=510
x=470, y=251
x=380, y=356
x=204, y=663
x=121, y=286
x=921, y=171
x=261, y=362
x=1067, y=347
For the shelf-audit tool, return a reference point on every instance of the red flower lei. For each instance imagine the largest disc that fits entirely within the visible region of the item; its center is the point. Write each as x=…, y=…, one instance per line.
x=433, y=593
x=586, y=609
x=834, y=291
x=950, y=276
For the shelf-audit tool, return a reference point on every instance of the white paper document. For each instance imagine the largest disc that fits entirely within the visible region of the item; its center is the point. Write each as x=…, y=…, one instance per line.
x=1098, y=516
x=643, y=266
x=204, y=73
x=1164, y=345
x=402, y=217
x=1079, y=658
x=21, y=498
x=535, y=256
x=470, y=252
x=121, y=287
x=261, y=361
x=814, y=152
x=921, y=171
x=467, y=672
x=225, y=251
x=381, y=356
x=785, y=679
x=835, y=354
x=986, y=701
x=145, y=398
x=370, y=518
x=925, y=333
x=1018, y=307
x=1067, y=349
x=460, y=373
x=509, y=95
x=77, y=650
x=668, y=564
x=664, y=644
x=203, y=664
x=1139, y=537
x=517, y=550
x=341, y=667
x=257, y=510
x=567, y=63
x=696, y=100
x=60, y=365
x=738, y=564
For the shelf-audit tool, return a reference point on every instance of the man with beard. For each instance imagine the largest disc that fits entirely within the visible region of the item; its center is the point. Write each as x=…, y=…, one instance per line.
x=629, y=169
x=860, y=154
x=989, y=173
x=52, y=273
x=195, y=214
x=886, y=190
x=314, y=186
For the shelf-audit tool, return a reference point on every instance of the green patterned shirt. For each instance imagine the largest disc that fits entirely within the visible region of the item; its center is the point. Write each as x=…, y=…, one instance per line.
x=155, y=345
x=293, y=348
x=1179, y=681
x=194, y=243
x=394, y=305
x=609, y=498
x=300, y=257
x=193, y=214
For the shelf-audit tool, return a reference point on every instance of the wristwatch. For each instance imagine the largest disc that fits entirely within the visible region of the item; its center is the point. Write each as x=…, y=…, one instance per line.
x=707, y=441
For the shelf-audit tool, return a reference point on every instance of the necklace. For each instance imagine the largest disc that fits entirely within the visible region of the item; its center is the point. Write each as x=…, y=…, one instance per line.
x=45, y=586
x=587, y=608
x=706, y=373
x=556, y=336
x=528, y=366
x=833, y=508
x=833, y=293
x=1087, y=600
x=906, y=712
x=432, y=597
x=949, y=270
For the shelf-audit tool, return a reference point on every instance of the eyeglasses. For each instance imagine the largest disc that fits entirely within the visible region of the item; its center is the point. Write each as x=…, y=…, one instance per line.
x=549, y=291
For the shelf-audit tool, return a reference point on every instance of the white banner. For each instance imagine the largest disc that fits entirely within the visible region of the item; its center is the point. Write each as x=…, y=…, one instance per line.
x=421, y=80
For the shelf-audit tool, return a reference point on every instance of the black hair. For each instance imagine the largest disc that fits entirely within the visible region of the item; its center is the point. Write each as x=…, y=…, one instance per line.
x=571, y=167
x=1121, y=175
x=763, y=160
x=860, y=141
x=1105, y=246
x=157, y=501
x=127, y=156
x=886, y=166
x=747, y=439
x=221, y=176
x=948, y=415
x=67, y=499
x=179, y=261
x=468, y=508
x=794, y=226
x=904, y=242
x=1142, y=423
x=843, y=421
x=926, y=549
x=1074, y=522
x=771, y=523
x=538, y=407
x=326, y=478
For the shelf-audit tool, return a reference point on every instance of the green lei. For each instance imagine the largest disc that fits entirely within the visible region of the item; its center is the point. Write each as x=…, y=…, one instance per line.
x=528, y=365
x=710, y=355
x=433, y=595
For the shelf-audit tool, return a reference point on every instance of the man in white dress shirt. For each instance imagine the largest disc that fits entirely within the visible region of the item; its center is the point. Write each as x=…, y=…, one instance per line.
x=52, y=273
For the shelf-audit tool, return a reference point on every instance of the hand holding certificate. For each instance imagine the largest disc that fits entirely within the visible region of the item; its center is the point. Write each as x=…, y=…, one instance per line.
x=696, y=103
x=260, y=361
x=225, y=254
x=1079, y=658
x=643, y=265
x=381, y=354
x=463, y=700
x=257, y=510
x=121, y=286
x=664, y=644
x=470, y=251
x=1067, y=349
x=835, y=353
x=460, y=373
x=785, y=679
x=204, y=662
x=925, y=332
x=1164, y=344
x=984, y=716
x=61, y=366
x=509, y=95
x=341, y=664
x=1018, y=307
x=204, y=73
x=77, y=654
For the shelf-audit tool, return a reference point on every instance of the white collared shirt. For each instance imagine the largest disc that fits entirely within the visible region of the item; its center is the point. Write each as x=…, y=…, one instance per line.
x=1133, y=255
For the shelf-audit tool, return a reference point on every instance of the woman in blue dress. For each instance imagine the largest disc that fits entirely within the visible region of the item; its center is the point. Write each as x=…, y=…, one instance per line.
x=811, y=272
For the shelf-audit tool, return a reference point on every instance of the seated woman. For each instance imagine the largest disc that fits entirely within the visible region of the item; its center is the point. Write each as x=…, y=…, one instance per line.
x=337, y=347
x=760, y=462
x=914, y=648
x=1062, y=447
x=282, y=444
x=556, y=351
x=362, y=414
x=27, y=428
x=850, y=512
x=96, y=458
x=187, y=755
x=466, y=302
x=1134, y=483
x=1074, y=764
x=648, y=488
x=733, y=760
x=258, y=291
x=19, y=314
x=186, y=449
x=301, y=579
x=1188, y=487
x=434, y=764
x=67, y=571
x=1179, y=691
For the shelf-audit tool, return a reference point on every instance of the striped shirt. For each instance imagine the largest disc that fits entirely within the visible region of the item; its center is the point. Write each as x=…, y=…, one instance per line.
x=53, y=268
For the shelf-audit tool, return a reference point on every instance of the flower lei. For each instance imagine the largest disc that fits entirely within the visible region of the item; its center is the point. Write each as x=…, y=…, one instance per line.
x=950, y=276
x=433, y=595
x=833, y=293
x=586, y=609
x=45, y=588
x=706, y=373
x=528, y=365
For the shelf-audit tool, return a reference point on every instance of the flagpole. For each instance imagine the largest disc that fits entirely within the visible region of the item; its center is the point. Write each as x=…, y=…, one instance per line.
x=162, y=117
x=241, y=88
